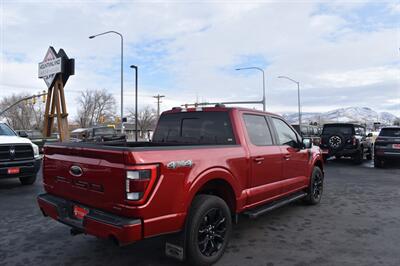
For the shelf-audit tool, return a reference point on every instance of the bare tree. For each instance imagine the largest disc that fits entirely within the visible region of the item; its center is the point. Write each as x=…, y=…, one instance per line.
x=93, y=105
x=26, y=115
x=146, y=119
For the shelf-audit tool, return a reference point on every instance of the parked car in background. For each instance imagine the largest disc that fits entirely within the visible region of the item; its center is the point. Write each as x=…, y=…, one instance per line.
x=203, y=167
x=387, y=146
x=346, y=140
x=371, y=136
x=37, y=137
x=19, y=157
x=97, y=134
x=310, y=131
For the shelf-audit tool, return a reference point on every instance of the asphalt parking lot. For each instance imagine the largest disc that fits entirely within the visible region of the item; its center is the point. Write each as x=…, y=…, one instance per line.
x=357, y=223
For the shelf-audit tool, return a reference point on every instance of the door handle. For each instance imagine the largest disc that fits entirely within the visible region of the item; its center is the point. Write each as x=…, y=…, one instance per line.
x=259, y=159
x=286, y=156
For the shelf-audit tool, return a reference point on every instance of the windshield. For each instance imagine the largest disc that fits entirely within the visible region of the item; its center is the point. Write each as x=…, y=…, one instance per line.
x=34, y=134
x=337, y=129
x=6, y=131
x=104, y=131
x=204, y=128
x=390, y=132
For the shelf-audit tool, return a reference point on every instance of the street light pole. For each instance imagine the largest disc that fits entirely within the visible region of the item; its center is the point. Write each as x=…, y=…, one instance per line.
x=122, y=67
x=263, y=76
x=298, y=97
x=136, y=101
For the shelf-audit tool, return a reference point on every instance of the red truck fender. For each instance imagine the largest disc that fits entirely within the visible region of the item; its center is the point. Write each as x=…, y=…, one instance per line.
x=221, y=181
x=316, y=160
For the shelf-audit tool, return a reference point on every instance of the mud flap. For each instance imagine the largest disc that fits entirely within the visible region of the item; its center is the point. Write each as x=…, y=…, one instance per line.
x=175, y=246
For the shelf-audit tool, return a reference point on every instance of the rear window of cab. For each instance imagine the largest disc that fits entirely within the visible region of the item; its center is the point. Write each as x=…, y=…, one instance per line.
x=195, y=128
x=390, y=132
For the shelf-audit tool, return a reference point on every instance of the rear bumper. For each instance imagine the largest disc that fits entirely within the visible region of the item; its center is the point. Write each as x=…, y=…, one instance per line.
x=97, y=223
x=27, y=168
x=340, y=152
x=387, y=153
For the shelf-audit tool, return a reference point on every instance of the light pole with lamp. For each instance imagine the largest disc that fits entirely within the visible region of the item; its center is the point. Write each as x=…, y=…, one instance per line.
x=122, y=68
x=263, y=75
x=298, y=97
x=136, y=101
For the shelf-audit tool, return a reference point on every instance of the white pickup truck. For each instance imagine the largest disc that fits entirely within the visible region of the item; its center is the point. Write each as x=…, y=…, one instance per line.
x=19, y=157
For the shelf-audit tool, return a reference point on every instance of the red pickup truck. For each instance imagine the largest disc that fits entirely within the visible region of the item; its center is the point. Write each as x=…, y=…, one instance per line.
x=203, y=167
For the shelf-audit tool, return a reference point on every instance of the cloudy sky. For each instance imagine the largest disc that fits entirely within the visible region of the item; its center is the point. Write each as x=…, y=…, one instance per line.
x=344, y=53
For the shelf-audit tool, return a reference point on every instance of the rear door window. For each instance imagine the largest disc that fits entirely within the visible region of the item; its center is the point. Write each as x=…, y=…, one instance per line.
x=258, y=130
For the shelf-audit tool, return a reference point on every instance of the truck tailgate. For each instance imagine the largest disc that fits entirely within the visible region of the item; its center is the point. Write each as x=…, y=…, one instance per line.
x=89, y=176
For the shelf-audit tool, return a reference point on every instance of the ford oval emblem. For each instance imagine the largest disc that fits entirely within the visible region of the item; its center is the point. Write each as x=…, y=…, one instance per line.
x=75, y=170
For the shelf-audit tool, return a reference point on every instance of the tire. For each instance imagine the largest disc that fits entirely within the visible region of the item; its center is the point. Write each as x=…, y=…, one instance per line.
x=316, y=187
x=27, y=180
x=369, y=155
x=378, y=162
x=336, y=141
x=211, y=215
x=359, y=157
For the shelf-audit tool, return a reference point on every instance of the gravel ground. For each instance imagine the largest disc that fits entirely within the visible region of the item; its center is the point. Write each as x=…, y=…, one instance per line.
x=357, y=223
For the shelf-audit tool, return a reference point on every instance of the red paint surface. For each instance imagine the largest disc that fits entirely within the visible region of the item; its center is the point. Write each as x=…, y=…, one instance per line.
x=163, y=208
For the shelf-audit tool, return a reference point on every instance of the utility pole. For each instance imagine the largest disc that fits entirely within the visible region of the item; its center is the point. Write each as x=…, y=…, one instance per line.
x=158, y=97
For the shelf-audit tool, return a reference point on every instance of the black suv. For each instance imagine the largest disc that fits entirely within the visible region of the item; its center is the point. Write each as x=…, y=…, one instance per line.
x=345, y=139
x=387, y=146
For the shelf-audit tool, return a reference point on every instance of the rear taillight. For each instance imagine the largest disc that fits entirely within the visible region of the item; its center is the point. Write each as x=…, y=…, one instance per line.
x=354, y=141
x=139, y=180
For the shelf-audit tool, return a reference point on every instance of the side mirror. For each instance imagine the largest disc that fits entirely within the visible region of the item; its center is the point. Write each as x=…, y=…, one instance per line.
x=22, y=134
x=307, y=143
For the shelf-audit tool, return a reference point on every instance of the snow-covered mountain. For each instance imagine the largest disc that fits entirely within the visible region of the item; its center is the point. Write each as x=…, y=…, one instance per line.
x=350, y=114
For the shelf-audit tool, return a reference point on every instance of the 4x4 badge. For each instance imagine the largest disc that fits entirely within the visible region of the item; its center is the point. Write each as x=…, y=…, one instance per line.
x=176, y=164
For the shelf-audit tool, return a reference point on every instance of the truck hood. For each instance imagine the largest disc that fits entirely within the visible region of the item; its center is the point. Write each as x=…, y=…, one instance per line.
x=14, y=140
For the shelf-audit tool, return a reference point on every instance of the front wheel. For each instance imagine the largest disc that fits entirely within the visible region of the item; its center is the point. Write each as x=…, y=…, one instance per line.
x=359, y=157
x=208, y=229
x=316, y=187
x=378, y=162
x=29, y=180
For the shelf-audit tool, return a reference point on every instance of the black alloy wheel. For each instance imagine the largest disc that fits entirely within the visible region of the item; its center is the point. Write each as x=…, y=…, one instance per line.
x=314, y=192
x=208, y=229
x=211, y=233
x=317, y=186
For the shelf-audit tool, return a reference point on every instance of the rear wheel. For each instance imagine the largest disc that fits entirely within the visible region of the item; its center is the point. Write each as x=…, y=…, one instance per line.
x=369, y=155
x=208, y=230
x=378, y=162
x=316, y=187
x=29, y=180
x=359, y=156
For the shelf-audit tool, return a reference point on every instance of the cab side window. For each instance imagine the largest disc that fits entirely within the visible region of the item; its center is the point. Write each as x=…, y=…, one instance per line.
x=360, y=131
x=258, y=130
x=286, y=136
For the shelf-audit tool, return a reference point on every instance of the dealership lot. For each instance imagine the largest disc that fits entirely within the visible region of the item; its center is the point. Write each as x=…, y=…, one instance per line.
x=357, y=223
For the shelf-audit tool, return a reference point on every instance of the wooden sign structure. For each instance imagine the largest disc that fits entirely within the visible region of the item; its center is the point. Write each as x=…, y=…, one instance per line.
x=55, y=71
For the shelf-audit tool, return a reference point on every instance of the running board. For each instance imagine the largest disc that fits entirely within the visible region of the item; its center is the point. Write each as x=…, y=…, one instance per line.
x=254, y=213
